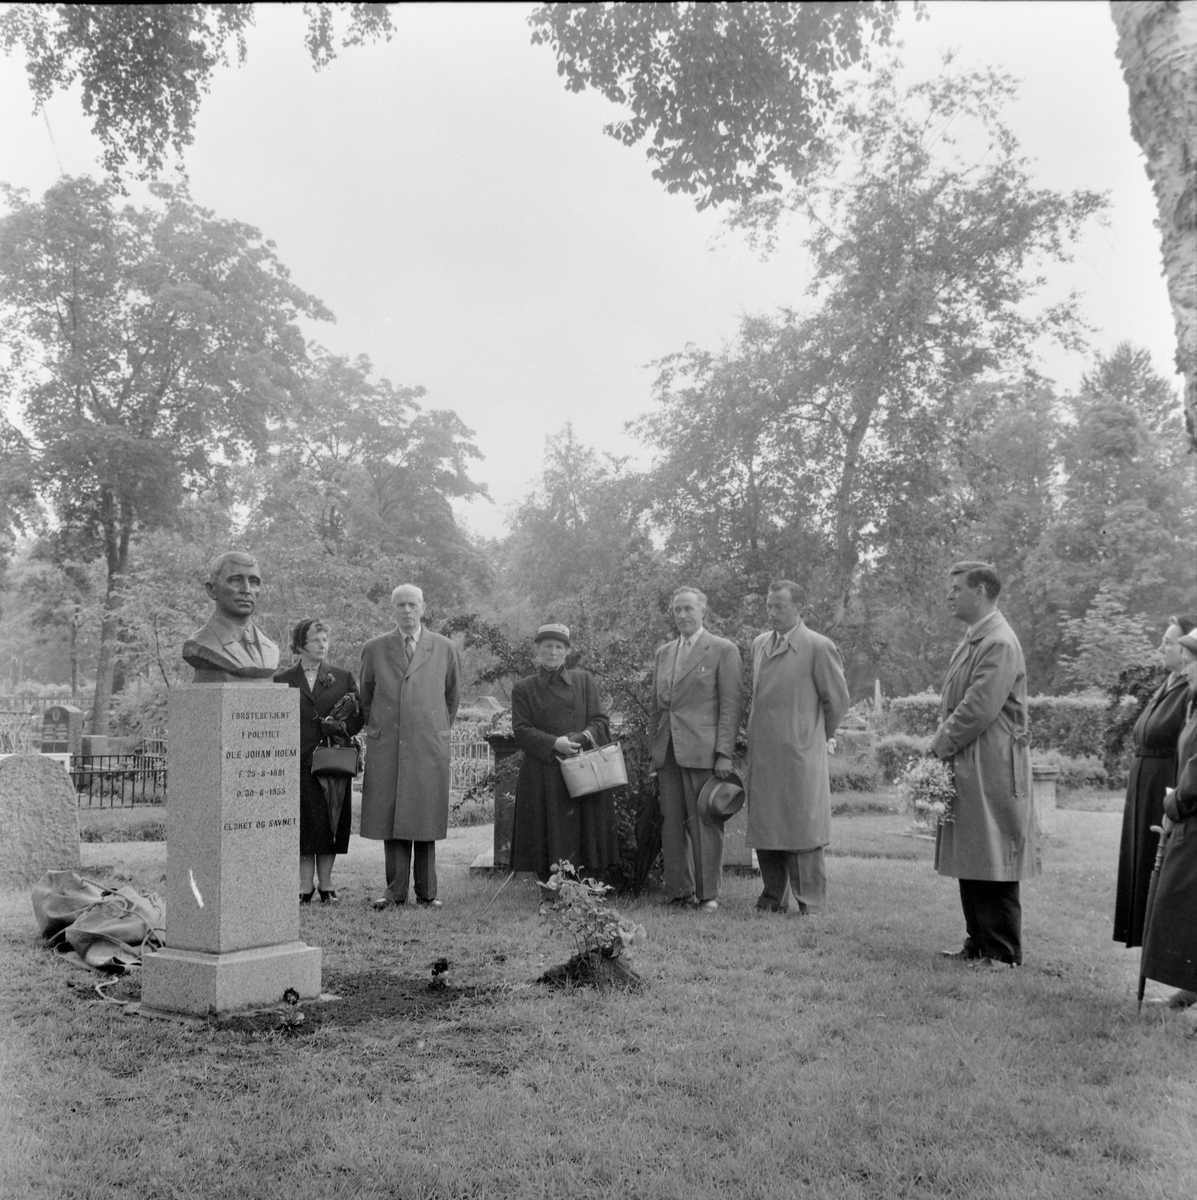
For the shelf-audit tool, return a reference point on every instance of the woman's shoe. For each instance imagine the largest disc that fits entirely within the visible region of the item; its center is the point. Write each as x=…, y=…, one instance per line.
x=306, y=897
x=329, y=897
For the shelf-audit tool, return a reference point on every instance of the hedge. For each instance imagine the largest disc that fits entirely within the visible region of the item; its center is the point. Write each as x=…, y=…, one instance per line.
x=896, y=752
x=1073, y=725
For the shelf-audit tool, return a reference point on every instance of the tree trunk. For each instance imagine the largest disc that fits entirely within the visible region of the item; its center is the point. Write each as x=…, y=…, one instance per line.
x=1157, y=47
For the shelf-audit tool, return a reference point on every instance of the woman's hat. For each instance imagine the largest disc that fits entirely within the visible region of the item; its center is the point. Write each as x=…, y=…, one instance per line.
x=1188, y=641
x=721, y=799
x=559, y=633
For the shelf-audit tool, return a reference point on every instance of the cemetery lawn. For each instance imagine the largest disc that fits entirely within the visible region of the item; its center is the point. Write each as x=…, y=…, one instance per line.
x=769, y=1056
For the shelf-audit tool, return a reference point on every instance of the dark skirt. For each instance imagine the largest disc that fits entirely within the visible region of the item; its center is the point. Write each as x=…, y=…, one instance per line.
x=1170, y=939
x=1136, y=856
x=550, y=825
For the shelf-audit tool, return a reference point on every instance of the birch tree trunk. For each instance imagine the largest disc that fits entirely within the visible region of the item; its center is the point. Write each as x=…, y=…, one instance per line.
x=1157, y=47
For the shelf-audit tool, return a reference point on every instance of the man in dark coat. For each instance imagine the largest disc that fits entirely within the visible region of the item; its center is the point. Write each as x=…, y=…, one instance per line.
x=411, y=686
x=698, y=699
x=992, y=840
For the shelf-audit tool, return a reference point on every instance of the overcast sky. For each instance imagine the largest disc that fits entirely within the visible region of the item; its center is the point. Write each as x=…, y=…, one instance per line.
x=474, y=231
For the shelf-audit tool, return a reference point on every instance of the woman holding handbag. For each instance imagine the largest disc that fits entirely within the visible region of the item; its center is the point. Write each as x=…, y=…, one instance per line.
x=555, y=713
x=330, y=712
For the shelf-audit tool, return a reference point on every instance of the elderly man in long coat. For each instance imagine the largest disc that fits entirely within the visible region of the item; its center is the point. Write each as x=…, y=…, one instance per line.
x=411, y=685
x=992, y=840
x=799, y=696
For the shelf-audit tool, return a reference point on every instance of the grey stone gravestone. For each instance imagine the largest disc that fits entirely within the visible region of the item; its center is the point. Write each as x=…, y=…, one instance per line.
x=39, y=820
x=1043, y=788
x=62, y=729
x=232, y=838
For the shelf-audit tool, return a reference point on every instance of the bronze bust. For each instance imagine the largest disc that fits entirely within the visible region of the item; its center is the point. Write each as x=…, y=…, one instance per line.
x=230, y=648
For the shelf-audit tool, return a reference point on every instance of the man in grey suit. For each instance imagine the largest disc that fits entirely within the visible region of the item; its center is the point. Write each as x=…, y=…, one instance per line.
x=698, y=699
x=411, y=685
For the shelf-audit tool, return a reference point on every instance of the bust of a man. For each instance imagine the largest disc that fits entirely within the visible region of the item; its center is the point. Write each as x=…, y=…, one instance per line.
x=230, y=648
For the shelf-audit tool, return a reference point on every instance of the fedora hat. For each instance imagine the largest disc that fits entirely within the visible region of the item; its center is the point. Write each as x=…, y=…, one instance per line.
x=720, y=799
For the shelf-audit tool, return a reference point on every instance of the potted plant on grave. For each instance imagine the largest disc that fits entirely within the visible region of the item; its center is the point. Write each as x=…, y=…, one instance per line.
x=600, y=935
x=927, y=791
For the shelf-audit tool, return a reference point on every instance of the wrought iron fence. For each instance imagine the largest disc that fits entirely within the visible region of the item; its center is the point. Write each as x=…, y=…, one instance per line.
x=118, y=780
x=469, y=760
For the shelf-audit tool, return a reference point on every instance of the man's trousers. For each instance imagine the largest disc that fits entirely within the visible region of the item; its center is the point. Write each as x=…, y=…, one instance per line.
x=693, y=849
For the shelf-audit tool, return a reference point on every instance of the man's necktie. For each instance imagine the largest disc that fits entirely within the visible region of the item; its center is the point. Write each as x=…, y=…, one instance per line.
x=683, y=652
x=408, y=642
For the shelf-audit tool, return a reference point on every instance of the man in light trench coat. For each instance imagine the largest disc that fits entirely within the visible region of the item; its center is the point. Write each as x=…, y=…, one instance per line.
x=698, y=699
x=799, y=696
x=992, y=840
x=411, y=684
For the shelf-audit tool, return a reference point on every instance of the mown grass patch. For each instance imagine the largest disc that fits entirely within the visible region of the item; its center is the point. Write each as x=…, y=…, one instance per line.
x=769, y=1056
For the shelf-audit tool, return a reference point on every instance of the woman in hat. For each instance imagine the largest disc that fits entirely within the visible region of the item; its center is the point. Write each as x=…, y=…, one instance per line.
x=1170, y=934
x=551, y=711
x=329, y=708
x=1153, y=770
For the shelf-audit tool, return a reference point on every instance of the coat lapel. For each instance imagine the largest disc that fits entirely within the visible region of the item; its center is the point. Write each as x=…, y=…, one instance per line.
x=420, y=652
x=700, y=650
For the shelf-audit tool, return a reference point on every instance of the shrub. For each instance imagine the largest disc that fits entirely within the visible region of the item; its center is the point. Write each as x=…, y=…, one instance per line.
x=1075, y=772
x=917, y=716
x=852, y=775
x=896, y=752
x=1073, y=725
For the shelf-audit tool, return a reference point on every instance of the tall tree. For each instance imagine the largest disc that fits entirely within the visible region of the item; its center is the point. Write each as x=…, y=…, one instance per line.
x=150, y=347
x=733, y=95
x=144, y=67
x=360, y=472
x=1157, y=46
x=926, y=241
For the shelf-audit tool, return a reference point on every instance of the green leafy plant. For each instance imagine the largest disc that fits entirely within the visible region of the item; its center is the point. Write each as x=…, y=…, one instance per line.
x=579, y=906
x=927, y=790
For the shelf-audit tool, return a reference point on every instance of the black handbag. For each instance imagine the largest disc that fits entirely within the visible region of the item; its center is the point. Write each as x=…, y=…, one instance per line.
x=337, y=761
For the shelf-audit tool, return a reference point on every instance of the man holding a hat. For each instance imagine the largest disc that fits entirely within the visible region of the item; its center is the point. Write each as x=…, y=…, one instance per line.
x=697, y=702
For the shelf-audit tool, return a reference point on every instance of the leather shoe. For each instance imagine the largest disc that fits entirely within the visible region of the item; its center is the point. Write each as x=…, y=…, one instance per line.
x=684, y=902
x=1177, y=1000
x=708, y=905
x=961, y=955
x=329, y=897
x=430, y=904
x=306, y=897
x=985, y=963
x=384, y=902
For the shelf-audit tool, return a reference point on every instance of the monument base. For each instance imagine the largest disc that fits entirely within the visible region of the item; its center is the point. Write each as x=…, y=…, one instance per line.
x=192, y=981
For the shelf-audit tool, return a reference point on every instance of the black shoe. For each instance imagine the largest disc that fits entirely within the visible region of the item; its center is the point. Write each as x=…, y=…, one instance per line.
x=429, y=903
x=684, y=902
x=306, y=898
x=964, y=954
x=329, y=897
x=385, y=901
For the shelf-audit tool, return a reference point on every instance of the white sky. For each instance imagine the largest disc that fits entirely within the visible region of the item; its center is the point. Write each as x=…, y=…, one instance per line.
x=475, y=232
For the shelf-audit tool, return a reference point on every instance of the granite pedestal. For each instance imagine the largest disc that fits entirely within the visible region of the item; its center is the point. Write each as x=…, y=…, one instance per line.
x=232, y=838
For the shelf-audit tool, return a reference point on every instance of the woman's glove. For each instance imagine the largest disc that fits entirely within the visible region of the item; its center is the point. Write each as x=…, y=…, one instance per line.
x=331, y=726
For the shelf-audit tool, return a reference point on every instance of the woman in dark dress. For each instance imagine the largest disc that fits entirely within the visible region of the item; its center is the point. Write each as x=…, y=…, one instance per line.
x=550, y=712
x=325, y=807
x=1170, y=937
x=1154, y=769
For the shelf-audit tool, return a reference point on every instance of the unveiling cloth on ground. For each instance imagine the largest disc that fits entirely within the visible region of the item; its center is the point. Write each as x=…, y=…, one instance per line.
x=97, y=926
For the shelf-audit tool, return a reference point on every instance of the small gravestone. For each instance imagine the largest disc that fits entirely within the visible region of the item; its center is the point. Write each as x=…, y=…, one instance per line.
x=39, y=820
x=1043, y=788
x=62, y=729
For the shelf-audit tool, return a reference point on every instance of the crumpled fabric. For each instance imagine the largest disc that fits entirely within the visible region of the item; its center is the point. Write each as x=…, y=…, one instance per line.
x=97, y=926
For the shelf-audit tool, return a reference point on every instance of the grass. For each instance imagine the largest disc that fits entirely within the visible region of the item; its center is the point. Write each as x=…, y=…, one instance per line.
x=768, y=1056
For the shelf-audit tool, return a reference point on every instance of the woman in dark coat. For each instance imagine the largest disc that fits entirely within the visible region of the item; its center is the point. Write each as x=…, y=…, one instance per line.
x=1154, y=769
x=1170, y=936
x=325, y=807
x=550, y=712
